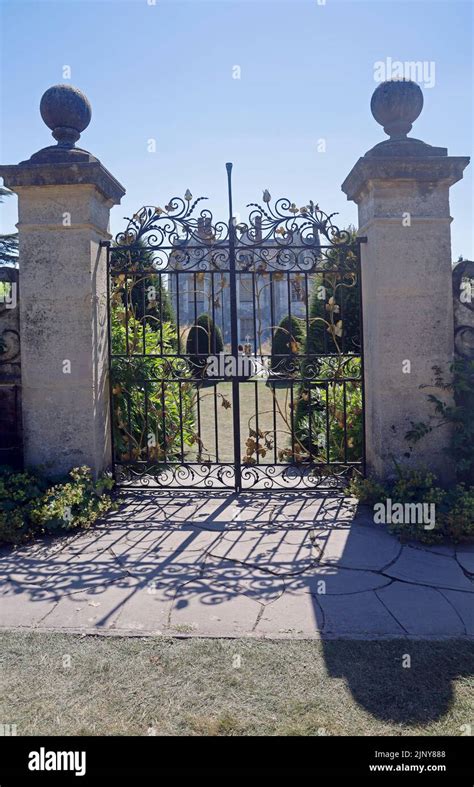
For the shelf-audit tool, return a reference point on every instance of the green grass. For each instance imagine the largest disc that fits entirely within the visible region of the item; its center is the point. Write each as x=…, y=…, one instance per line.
x=118, y=686
x=255, y=397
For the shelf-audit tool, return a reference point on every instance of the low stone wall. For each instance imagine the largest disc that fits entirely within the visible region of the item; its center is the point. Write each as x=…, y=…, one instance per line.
x=10, y=369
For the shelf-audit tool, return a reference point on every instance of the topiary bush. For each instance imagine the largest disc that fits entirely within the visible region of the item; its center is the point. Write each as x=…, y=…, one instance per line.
x=31, y=507
x=144, y=294
x=204, y=339
x=287, y=345
x=334, y=305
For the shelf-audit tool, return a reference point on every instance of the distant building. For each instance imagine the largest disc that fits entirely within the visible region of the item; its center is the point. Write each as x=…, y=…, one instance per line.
x=264, y=296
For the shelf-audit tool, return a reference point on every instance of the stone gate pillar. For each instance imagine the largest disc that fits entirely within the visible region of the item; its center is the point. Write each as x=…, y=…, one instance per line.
x=64, y=200
x=401, y=188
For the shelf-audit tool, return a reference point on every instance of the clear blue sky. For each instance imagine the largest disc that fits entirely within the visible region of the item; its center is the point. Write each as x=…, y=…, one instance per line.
x=164, y=71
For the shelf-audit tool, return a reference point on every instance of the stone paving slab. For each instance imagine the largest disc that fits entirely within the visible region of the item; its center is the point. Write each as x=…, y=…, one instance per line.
x=20, y=610
x=358, y=615
x=226, y=565
x=421, y=610
x=233, y=579
x=292, y=615
x=465, y=557
x=335, y=581
x=147, y=609
x=96, y=611
x=427, y=568
x=281, y=551
x=214, y=609
x=463, y=603
x=363, y=547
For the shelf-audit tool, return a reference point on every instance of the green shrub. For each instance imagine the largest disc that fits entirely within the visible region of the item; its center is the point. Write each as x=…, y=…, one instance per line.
x=204, y=339
x=460, y=415
x=30, y=507
x=145, y=294
x=287, y=346
x=314, y=412
x=331, y=353
x=147, y=399
x=334, y=305
x=71, y=504
x=17, y=491
x=454, y=507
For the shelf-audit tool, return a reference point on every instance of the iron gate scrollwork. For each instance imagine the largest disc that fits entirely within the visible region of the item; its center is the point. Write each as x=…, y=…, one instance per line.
x=235, y=348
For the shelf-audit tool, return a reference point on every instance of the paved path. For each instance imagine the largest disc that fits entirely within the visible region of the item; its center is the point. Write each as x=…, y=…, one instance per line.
x=281, y=565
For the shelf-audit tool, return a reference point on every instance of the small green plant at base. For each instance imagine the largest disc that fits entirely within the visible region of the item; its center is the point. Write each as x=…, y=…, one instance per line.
x=454, y=507
x=30, y=507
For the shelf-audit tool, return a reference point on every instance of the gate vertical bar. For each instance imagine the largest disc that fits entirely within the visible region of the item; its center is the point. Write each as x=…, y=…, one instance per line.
x=234, y=334
x=361, y=333
x=106, y=244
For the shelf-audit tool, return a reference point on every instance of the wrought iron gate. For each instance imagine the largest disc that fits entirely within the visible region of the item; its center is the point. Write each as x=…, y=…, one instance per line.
x=235, y=348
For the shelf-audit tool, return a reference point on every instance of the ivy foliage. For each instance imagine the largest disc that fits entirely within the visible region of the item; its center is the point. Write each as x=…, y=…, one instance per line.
x=458, y=411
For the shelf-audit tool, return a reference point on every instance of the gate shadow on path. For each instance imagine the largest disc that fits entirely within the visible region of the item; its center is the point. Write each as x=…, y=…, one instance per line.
x=273, y=565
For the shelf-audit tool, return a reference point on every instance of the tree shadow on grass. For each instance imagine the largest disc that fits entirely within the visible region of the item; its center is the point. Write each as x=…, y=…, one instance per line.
x=382, y=686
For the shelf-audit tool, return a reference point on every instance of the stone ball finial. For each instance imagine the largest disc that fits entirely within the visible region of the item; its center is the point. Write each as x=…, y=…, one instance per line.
x=67, y=112
x=396, y=104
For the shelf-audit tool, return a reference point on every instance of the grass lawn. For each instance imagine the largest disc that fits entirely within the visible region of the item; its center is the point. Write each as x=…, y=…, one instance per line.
x=256, y=410
x=118, y=686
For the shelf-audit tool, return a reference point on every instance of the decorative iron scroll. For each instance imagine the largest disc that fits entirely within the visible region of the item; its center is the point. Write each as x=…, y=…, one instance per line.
x=463, y=295
x=279, y=237
x=294, y=418
x=10, y=369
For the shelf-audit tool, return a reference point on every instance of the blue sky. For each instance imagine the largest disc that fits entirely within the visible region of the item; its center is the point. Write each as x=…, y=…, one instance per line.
x=165, y=72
